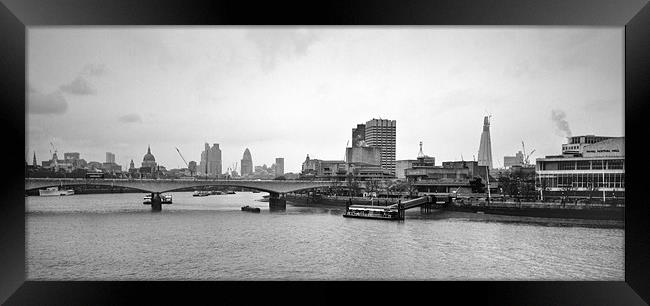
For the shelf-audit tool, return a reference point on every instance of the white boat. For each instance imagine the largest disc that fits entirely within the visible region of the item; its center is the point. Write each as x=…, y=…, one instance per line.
x=54, y=191
x=166, y=199
x=201, y=193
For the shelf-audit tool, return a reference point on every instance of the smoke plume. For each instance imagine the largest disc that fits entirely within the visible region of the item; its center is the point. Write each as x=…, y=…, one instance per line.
x=561, y=124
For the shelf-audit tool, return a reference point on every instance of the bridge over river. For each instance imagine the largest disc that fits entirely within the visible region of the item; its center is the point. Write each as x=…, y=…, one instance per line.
x=276, y=188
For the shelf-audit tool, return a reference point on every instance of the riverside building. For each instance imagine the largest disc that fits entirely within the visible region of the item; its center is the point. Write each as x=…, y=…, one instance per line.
x=381, y=133
x=590, y=167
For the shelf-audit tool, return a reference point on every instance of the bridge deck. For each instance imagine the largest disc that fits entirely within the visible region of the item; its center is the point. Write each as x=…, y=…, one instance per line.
x=165, y=185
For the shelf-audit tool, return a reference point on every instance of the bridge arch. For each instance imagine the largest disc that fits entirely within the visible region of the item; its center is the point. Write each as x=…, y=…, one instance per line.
x=160, y=186
x=102, y=184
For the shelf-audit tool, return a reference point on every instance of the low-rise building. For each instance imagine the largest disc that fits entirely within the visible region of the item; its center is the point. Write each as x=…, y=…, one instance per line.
x=401, y=166
x=452, y=176
x=591, y=166
x=517, y=160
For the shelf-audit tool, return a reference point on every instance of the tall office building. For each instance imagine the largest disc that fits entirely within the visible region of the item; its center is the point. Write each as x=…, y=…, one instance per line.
x=210, y=160
x=358, y=135
x=246, y=163
x=485, y=147
x=110, y=157
x=381, y=133
x=279, y=166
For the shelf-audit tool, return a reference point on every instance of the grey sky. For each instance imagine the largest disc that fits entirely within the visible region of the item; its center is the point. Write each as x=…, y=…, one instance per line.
x=289, y=91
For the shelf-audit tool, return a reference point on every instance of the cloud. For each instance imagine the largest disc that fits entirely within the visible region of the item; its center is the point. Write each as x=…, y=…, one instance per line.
x=276, y=43
x=53, y=103
x=94, y=70
x=79, y=86
x=130, y=118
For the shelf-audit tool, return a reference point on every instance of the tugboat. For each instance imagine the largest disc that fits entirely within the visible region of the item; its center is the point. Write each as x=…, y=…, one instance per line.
x=251, y=209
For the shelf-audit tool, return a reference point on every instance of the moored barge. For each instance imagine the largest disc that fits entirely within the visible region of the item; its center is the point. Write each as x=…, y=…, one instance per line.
x=373, y=212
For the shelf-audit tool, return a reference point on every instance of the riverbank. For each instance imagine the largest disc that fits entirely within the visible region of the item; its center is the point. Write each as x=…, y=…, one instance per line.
x=526, y=209
x=340, y=201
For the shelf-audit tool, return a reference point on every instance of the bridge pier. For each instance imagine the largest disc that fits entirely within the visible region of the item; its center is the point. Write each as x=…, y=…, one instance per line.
x=156, y=202
x=401, y=210
x=277, y=200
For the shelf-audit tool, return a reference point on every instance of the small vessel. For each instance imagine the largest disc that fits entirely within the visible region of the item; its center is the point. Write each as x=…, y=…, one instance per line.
x=230, y=192
x=251, y=209
x=217, y=192
x=54, y=191
x=166, y=199
x=255, y=191
x=201, y=193
x=265, y=198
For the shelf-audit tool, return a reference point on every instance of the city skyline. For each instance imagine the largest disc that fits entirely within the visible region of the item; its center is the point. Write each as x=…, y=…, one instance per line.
x=121, y=89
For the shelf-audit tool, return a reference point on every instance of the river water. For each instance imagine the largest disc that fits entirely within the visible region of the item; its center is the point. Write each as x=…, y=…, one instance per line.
x=116, y=237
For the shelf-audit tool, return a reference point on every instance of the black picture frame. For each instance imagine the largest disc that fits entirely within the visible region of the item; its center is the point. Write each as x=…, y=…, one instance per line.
x=16, y=15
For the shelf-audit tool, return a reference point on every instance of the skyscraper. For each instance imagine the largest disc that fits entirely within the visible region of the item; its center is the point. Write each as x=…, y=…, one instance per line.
x=110, y=157
x=381, y=133
x=485, y=147
x=358, y=135
x=279, y=166
x=34, y=161
x=247, y=163
x=211, y=160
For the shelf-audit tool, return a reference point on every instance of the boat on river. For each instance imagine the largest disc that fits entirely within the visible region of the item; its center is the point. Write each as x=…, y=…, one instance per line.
x=251, y=209
x=166, y=199
x=230, y=192
x=55, y=192
x=201, y=193
x=372, y=212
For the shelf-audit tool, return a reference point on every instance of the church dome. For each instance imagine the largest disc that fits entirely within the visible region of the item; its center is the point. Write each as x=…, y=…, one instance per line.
x=148, y=156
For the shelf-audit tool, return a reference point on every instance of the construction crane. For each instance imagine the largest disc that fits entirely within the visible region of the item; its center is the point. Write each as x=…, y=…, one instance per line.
x=188, y=166
x=53, y=147
x=526, y=156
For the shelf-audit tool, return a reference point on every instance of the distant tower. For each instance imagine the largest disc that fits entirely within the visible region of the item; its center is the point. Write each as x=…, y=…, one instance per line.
x=34, y=161
x=247, y=163
x=485, y=148
x=211, y=160
x=132, y=165
x=279, y=166
x=381, y=133
x=421, y=154
x=358, y=135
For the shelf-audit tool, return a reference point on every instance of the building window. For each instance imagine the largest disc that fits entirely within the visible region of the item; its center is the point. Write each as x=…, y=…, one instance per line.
x=597, y=164
x=583, y=165
x=566, y=165
x=615, y=164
